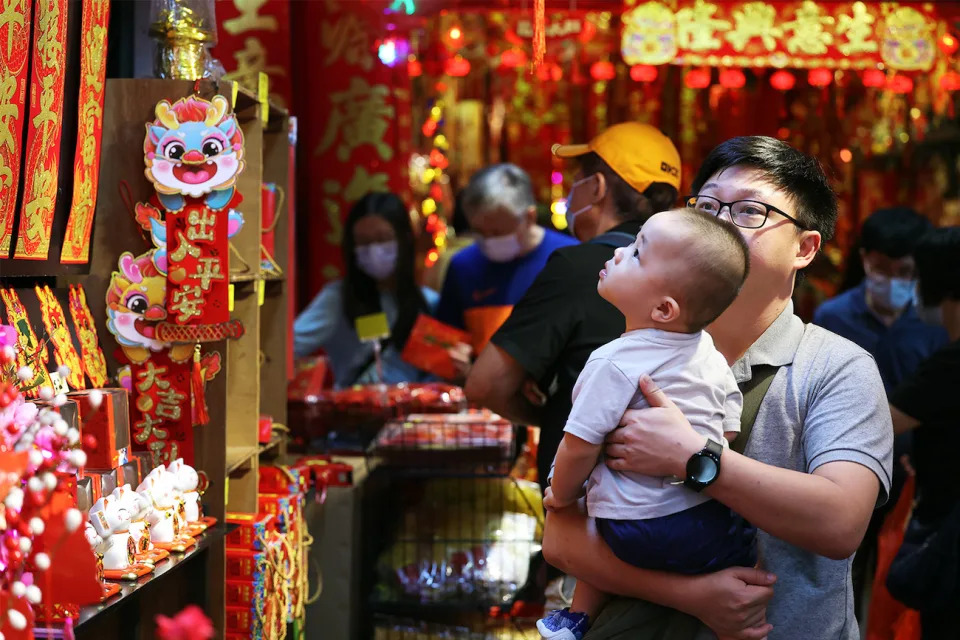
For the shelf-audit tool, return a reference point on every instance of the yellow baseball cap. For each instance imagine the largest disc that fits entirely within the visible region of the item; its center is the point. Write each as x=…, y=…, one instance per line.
x=638, y=152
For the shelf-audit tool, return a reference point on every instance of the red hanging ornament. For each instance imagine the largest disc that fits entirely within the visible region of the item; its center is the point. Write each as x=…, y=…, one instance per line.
x=950, y=81
x=457, y=67
x=603, y=70
x=900, y=84
x=414, y=68
x=819, y=77
x=732, y=79
x=199, y=398
x=513, y=58
x=782, y=80
x=874, y=78
x=539, y=32
x=549, y=71
x=643, y=73
x=438, y=160
x=697, y=79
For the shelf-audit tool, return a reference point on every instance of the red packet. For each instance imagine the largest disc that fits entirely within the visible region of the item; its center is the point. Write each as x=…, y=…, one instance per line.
x=428, y=345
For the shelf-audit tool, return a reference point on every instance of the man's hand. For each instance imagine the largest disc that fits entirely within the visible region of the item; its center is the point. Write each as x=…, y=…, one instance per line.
x=551, y=503
x=656, y=441
x=532, y=392
x=733, y=602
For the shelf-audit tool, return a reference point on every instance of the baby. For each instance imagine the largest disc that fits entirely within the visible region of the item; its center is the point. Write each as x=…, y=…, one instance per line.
x=683, y=270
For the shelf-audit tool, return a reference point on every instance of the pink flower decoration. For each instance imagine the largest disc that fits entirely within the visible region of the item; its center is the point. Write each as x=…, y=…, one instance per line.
x=8, y=336
x=189, y=624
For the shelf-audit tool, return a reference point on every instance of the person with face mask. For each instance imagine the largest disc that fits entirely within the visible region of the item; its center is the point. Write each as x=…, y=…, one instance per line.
x=378, y=250
x=880, y=316
x=925, y=573
x=486, y=279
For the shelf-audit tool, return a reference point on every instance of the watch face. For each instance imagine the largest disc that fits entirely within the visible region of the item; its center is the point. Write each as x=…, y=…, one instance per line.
x=702, y=469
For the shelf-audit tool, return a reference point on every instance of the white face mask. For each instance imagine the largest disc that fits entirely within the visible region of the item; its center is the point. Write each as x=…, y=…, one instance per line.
x=572, y=215
x=378, y=260
x=501, y=248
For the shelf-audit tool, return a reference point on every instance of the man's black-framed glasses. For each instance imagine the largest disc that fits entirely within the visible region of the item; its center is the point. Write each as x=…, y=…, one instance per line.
x=748, y=214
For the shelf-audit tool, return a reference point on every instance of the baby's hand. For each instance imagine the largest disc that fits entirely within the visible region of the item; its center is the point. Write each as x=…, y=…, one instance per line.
x=550, y=503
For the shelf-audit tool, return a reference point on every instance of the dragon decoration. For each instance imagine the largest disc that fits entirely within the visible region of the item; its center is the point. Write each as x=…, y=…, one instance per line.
x=164, y=303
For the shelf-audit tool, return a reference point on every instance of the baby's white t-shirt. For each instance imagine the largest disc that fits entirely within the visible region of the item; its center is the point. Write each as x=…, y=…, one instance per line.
x=691, y=372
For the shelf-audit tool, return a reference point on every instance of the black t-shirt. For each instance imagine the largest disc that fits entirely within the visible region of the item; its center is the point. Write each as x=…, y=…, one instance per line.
x=932, y=396
x=557, y=325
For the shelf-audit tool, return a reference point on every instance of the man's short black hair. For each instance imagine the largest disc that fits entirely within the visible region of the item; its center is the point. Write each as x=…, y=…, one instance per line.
x=938, y=265
x=629, y=203
x=717, y=264
x=893, y=232
x=800, y=176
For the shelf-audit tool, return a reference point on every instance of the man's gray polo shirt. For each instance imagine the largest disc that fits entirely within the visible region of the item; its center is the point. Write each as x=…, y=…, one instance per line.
x=826, y=404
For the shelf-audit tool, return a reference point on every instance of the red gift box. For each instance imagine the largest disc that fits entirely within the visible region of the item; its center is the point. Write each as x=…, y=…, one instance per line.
x=428, y=345
x=312, y=376
x=251, y=531
x=243, y=564
x=282, y=480
x=109, y=424
x=242, y=594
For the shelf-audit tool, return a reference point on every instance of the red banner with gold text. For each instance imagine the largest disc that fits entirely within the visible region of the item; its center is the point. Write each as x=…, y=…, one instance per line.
x=14, y=52
x=160, y=411
x=253, y=36
x=197, y=287
x=43, y=139
x=353, y=141
x=86, y=165
x=835, y=35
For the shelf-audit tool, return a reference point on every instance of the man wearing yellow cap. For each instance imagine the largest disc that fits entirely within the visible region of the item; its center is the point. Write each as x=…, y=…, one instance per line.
x=626, y=174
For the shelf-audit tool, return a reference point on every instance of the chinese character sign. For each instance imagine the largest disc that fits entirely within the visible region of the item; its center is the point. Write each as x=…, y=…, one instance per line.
x=14, y=51
x=254, y=37
x=160, y=414
x=835, y=35
x=43, y=139
x=356, y=136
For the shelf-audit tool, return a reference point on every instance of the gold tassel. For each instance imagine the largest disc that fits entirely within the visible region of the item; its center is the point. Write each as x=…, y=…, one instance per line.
x=539, y=33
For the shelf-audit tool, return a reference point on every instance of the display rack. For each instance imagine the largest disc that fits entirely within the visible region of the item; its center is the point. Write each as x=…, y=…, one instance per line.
x=253, y=376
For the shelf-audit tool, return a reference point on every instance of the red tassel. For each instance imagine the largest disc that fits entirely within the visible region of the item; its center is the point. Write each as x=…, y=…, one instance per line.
x=198, y=399
x=539, y=33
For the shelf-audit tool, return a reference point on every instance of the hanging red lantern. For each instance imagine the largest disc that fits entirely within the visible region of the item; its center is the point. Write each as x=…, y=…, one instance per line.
x=900, y=84
x=643, y=73
x=549, y=71
x=819, y=77
x=513, y=58
x=603, y=70
x=697, y=79
x=874, y=78
x=782, y=80
x=414, y=68
x=732, y=79
x=950, y=81
x=948, y=44
x=587, y=31
x=457, y=67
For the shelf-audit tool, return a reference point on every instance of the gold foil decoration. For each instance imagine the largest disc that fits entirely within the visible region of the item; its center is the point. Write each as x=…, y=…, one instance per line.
x=184, y=31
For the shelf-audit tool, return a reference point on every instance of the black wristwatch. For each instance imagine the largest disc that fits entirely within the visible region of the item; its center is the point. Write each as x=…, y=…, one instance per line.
x=703, y=467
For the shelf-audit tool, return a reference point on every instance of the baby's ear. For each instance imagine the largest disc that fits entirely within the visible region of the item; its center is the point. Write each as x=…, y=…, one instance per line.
x=665, y=311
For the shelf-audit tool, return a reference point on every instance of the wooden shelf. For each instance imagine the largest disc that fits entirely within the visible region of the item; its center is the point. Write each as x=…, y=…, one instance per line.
x=244, y=277
x=238, y=457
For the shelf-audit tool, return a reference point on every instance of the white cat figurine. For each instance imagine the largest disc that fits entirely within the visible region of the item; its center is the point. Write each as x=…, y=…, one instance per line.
x=158, y=489
x=111, y=517
x=186, y=482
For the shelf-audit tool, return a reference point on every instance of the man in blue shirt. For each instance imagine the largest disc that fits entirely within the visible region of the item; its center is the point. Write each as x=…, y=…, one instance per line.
x=880, y=316
x=486, y=279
